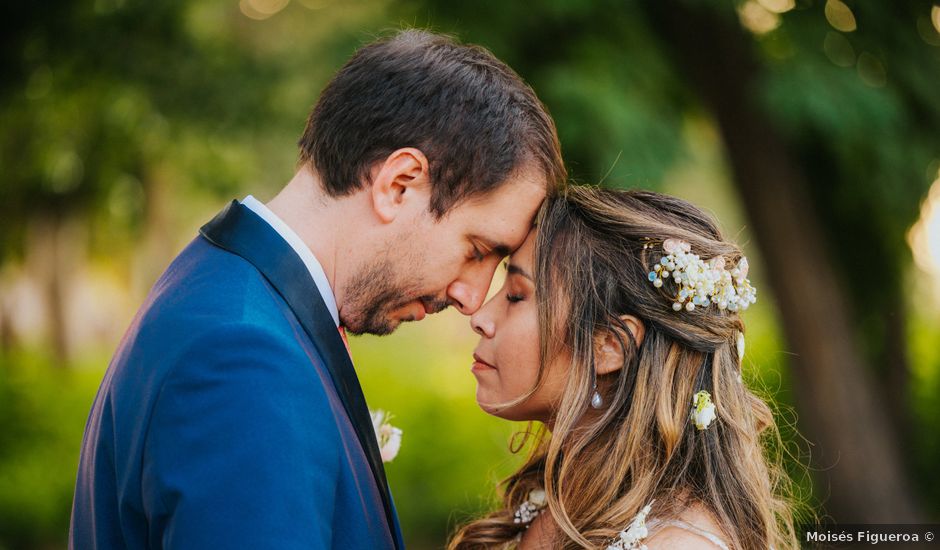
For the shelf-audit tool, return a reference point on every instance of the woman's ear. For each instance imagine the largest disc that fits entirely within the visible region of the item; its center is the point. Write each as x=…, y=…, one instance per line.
x=608, y=352
x=402, y=176
x=636, y=327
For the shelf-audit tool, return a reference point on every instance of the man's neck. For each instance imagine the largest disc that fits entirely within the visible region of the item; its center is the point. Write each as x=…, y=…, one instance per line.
x=318, y=220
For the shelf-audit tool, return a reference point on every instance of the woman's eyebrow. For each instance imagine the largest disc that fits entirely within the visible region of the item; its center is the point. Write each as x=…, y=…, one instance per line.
x=513, y=269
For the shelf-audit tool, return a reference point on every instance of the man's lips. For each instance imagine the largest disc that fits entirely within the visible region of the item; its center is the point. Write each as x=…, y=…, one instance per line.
x=432, y=306
x=422, y=311
x=479, y=364
x=422, y=307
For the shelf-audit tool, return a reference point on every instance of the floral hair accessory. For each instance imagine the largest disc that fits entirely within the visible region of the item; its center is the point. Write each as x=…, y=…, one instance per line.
x=701, y=283
x=388, y=436
x=532, y=507
x=703, y=410
x=631, y=538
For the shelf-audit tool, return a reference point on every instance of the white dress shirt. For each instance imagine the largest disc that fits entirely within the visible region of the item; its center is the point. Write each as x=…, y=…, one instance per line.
x=302, y=250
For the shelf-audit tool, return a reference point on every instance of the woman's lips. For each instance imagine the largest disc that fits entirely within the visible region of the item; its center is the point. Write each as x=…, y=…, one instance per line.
x=480, y=365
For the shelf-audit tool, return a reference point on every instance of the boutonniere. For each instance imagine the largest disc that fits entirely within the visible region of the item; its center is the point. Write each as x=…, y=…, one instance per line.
x=388, y=436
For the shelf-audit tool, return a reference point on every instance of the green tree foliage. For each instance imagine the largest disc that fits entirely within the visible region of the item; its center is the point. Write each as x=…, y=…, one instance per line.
x=96, y=95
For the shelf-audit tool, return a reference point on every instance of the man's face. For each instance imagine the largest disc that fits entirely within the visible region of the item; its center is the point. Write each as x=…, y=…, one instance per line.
x=436, y=263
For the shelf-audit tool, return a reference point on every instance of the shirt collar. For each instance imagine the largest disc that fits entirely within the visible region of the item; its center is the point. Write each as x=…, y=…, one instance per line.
x=302, y=250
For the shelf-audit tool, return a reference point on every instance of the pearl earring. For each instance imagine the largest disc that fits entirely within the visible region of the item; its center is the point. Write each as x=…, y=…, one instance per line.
x=596, y=400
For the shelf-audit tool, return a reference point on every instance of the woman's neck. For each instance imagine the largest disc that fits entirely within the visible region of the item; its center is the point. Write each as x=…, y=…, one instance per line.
x=540, y=534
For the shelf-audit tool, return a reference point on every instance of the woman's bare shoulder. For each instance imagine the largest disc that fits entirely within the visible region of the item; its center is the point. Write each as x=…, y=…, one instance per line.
x=695, y=529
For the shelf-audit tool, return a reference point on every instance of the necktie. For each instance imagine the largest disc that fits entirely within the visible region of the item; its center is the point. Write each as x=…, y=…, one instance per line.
x=342, y=334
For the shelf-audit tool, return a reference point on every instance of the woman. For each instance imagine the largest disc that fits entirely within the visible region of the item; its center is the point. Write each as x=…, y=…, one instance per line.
x=617, y=328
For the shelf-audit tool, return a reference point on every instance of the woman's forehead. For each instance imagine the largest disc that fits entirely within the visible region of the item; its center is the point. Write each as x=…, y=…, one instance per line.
x=524, y=256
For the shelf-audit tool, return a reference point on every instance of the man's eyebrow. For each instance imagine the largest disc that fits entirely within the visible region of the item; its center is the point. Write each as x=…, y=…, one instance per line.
x=513, y=269
x=500, y=249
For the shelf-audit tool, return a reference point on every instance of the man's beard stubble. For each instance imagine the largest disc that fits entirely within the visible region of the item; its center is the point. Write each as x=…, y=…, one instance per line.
x=376, y=291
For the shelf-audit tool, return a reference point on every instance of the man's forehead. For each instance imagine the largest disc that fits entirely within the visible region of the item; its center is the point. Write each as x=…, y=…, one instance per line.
x=526, y=181
x=512, y=201
x=505, y=214
x=505, y=227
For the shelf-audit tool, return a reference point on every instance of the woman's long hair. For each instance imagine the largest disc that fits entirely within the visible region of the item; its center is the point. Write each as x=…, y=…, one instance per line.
x=599, y=470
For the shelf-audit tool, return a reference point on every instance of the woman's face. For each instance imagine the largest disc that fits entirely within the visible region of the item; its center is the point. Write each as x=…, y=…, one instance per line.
x=506, y=361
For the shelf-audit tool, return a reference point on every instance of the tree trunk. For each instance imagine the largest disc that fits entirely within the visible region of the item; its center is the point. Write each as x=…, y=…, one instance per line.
x=156, y=247
x=898, y=376
x=46, y=249
x=860, y=476
x=7, y=336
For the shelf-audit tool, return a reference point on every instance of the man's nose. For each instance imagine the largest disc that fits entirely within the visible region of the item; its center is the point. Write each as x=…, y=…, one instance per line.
x=468, y=292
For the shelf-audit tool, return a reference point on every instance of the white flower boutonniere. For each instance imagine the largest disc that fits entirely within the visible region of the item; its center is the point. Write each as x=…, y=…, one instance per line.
x=388, y=436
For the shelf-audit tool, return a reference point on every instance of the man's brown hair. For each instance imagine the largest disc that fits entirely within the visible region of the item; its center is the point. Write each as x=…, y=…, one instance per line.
x=474, y=118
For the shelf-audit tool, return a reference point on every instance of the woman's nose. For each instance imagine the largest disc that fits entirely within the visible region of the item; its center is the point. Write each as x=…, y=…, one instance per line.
x=482, y=322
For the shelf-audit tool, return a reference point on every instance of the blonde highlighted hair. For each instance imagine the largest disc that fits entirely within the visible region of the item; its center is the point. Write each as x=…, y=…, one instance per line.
x=599, y=470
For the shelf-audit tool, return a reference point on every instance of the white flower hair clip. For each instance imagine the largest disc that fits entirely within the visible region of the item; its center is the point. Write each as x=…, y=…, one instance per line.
x=632, y=537
x=703, y=410
x=700, y=283
x=388, y=436
x=531, y=508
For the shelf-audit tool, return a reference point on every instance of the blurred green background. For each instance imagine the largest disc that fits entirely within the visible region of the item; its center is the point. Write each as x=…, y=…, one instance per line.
x=810, y=128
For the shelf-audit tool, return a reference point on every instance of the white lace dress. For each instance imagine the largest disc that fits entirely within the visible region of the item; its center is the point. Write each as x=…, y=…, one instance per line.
x=632, y=537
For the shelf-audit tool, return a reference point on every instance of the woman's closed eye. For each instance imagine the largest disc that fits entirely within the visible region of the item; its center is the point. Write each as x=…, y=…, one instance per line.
x=515, y=292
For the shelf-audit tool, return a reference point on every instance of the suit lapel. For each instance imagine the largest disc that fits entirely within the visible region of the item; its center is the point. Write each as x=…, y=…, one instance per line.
x=240, y=231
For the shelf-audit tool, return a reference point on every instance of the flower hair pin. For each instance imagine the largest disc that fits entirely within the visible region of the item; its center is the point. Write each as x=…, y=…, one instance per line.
x=632, y=537
x=699, y=283
x=703, y=410
x=534, y=504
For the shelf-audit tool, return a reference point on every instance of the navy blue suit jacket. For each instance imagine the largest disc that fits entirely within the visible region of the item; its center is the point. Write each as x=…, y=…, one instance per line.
x=230, y=415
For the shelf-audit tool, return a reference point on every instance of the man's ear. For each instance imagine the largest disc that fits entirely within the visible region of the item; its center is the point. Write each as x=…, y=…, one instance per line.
x=608, y=351
x=401, y=178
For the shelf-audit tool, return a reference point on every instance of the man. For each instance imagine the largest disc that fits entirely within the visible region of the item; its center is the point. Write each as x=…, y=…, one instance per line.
x=231, y=416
